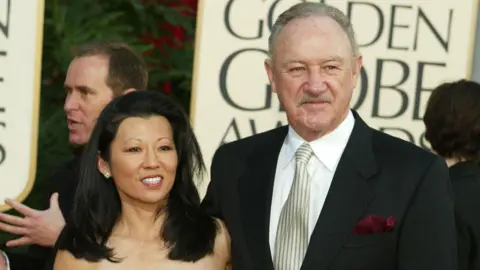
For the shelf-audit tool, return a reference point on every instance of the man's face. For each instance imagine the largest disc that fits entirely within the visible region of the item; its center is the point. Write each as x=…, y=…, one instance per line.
x=87, y=95
x=314, y=72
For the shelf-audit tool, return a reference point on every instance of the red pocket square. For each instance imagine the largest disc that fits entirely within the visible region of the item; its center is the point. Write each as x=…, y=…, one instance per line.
x=374, y=224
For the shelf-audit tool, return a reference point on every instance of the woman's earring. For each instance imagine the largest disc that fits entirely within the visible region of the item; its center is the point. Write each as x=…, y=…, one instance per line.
x=107, y=175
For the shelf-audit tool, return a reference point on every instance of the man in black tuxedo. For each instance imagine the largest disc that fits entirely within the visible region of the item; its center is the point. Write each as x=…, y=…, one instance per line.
x=327, y=191
x=99, y=72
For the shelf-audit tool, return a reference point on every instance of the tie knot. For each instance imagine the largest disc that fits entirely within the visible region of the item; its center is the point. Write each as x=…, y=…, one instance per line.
x=304, y=153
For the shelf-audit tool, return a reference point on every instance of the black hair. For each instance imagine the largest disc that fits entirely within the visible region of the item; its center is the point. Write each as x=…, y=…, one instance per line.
x=188, y=231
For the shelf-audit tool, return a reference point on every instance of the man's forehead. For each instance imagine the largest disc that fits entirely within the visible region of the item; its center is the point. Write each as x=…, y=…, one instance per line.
x=82, y=87
x=314, y=23
x=86, y=69
x=89, y=62
x=312, y=31
x=327, y=58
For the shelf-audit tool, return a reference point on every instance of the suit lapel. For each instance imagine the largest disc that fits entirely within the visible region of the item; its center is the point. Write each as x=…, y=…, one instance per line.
x=350, y=192
x=255, y=188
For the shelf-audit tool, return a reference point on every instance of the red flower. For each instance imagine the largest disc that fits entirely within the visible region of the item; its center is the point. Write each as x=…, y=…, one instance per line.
x=175, y=35
x=167, y=88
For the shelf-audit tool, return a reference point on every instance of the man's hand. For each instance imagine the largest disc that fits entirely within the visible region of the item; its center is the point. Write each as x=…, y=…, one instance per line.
x=36, y=227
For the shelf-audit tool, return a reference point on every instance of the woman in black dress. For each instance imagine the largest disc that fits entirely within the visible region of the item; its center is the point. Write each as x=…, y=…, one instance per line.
x=452, y=121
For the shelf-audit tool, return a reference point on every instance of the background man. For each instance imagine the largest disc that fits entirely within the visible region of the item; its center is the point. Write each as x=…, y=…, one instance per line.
x=98, y=72
x=327, y=191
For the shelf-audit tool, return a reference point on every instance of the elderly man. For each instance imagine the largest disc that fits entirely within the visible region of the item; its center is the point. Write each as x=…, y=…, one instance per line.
x=98, y=72
x=327, y=191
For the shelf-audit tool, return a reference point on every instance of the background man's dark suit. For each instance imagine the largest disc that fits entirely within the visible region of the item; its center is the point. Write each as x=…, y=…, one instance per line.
x=377, y=174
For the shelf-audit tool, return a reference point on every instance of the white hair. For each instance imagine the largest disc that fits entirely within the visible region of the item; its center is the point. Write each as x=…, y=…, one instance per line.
x=307, y=9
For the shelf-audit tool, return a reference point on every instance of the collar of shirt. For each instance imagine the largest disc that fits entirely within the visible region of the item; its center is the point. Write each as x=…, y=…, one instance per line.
x=328, y=149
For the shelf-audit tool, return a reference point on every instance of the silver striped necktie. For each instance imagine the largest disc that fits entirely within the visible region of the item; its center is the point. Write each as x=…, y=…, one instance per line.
x=291, y=241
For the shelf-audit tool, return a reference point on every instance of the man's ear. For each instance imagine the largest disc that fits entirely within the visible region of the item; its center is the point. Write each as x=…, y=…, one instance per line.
x=103, y=166
x=129, y=90
x=357, y=67
x=268, y=64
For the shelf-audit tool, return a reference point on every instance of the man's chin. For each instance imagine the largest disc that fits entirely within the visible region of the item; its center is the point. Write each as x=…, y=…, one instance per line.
x=316, y=121
x=318, y=126
x=76, y=147
x=76, y=141
x=315, y=125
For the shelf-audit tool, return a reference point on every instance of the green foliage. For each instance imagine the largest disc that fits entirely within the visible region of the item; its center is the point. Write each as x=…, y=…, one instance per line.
x=70, y=23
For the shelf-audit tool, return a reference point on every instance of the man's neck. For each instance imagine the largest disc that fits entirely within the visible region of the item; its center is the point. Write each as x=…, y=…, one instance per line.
x=310, y=135
x=77, y=150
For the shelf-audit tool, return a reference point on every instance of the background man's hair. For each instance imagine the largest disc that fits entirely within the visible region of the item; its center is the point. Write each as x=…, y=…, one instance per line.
x=126, y=69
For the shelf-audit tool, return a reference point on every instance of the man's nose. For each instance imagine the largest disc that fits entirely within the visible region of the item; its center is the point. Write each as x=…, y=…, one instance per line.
x=316, y=83
x=71, y=101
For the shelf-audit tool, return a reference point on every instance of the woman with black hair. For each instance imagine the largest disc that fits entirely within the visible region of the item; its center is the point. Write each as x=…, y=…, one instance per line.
x=137, y=206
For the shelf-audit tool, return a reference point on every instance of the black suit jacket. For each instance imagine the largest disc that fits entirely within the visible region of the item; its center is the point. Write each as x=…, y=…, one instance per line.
x=466, y=188
x=63, y=181
x=377, y=174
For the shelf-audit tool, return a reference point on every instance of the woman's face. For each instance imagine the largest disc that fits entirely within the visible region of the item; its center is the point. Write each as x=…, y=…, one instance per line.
x=143, y=160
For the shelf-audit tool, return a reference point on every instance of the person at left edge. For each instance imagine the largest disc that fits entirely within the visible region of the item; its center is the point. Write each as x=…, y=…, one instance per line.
x=99, y=71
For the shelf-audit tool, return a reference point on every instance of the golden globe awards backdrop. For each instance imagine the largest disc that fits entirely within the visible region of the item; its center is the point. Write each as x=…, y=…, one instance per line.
x=21, y=31
x=408, y=47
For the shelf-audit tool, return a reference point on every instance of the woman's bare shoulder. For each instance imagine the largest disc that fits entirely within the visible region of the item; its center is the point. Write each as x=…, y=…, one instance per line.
x=222, y=242
x=65, y=260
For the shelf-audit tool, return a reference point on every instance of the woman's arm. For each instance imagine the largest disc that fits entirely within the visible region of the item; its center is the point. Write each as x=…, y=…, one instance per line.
x=222, y=245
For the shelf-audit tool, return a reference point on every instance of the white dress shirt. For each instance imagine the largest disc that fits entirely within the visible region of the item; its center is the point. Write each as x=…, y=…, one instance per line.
x=327, y=151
